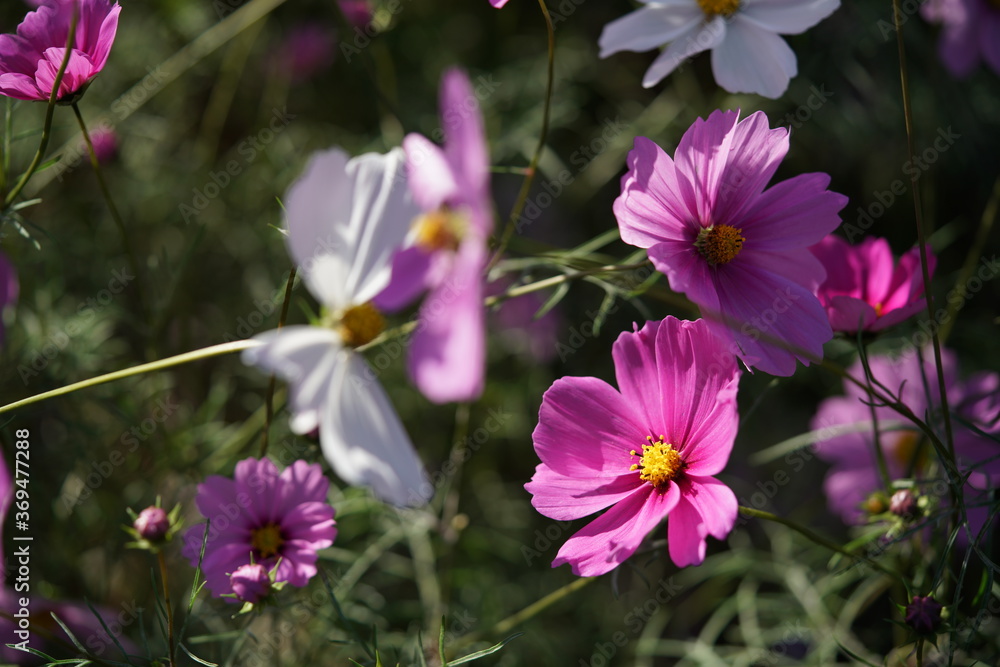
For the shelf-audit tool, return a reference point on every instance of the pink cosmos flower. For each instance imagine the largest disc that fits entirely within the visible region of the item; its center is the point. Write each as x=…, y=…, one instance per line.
x=262, y=515
x=738, y=251
x=30, y=60
x=971, y=33
x=498, y=3
x=854, y=473
x=445, y=252
x=647, y=450
x=748, y=56
x=863, y=287
x=357, y=12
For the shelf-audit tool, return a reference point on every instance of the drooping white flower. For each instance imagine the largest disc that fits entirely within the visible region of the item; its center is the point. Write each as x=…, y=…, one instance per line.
x=344, y=219
x=748, y=56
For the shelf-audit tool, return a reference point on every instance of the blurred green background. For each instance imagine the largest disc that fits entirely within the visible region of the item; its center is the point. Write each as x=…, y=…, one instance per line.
x=217, y=274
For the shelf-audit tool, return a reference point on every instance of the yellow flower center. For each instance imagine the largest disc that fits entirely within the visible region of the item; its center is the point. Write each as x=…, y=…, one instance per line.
x=659, y=464
x=266, y=540
x=360, y=325
x=442, y=229
x=713, y=8
x=719, y=244
x=879, y=309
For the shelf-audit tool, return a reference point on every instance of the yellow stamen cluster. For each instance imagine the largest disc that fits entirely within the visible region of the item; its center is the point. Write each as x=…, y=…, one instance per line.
x=267, y=540
x=360, y=325
x=659, y=464
x=713, y=8
x=719, y=244
x=439, y=230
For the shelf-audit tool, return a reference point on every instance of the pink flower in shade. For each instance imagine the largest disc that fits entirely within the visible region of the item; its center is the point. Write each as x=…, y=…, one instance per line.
x=646, y=451
x=863, y=286
x=30, y=60
x=282, y=516
x=518, y=327
x=971, y=33
x=738, y=251
x=445, y=251
x=357, y=12
x=854, y=473
x=498, y=3
x=8, y=289
x=306, y=51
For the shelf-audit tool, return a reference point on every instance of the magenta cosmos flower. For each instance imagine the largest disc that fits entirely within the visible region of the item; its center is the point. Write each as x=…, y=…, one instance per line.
x=864, y=289
x=854, y=473
x=262, y=516
x=445, y=251
x=971, y=33
x=30, y=60
x=738, y=251
x=647, y=450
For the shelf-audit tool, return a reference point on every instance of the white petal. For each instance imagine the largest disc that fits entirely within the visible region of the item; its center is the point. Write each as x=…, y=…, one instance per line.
x=787, y=17
x=304, y=357
x=345, y=218
x=649, y=27
x=753, y=60
x=701, y=37
x=365, y=442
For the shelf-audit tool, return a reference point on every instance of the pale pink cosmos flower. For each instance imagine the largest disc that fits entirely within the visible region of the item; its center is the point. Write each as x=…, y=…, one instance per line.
x=971, y=33
x=864, y=289
x=263, y=516
x=646, y=451
x=445, y=251
x=748, y=56
x=738, y=251
x=30, y=60
x=854, y=472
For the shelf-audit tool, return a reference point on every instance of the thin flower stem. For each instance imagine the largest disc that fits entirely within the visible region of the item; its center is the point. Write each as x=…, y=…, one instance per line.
x=162, y=364
x=558, y=280
x=166, y=603
x=115, y=215
x=522, y=196
x=819, y=539
x=897, y=15
x=883, y=467
x=49, y=111
x=272, y=385
x=529, y=612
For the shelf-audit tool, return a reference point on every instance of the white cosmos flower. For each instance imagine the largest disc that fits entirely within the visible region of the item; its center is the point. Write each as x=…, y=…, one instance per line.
x=748, y=56
x=345, y=218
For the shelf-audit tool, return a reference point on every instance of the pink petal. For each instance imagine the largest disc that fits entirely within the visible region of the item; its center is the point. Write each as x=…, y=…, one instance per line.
x=850, y=315
x=586, y=429
x=563, y=497
x=684, y=381
x=448, y=349
x=656, y=203
x=610, y=539
x=794, y=213
x=756, y=152
x=410, y=269
x=432, y=181
x=701, y=158
x=465, y=138
x=706, y=507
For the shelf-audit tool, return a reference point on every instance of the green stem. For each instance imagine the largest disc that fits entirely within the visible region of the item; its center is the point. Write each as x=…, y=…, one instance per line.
x=921, y=239
x=529, y=612
x=49, y=111
x=115, y=215
x=169, y=362
x=522, y=196
x=170, y=610
x=557, y=280
x=819, y=539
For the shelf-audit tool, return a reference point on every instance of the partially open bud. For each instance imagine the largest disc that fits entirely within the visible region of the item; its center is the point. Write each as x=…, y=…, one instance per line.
x=251, y=583
x=152, y=524
x=923, y=614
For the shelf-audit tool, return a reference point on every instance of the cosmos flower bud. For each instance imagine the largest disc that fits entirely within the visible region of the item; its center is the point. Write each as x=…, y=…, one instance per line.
x=903, y=503
x=152, y=524
x=923, y=614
